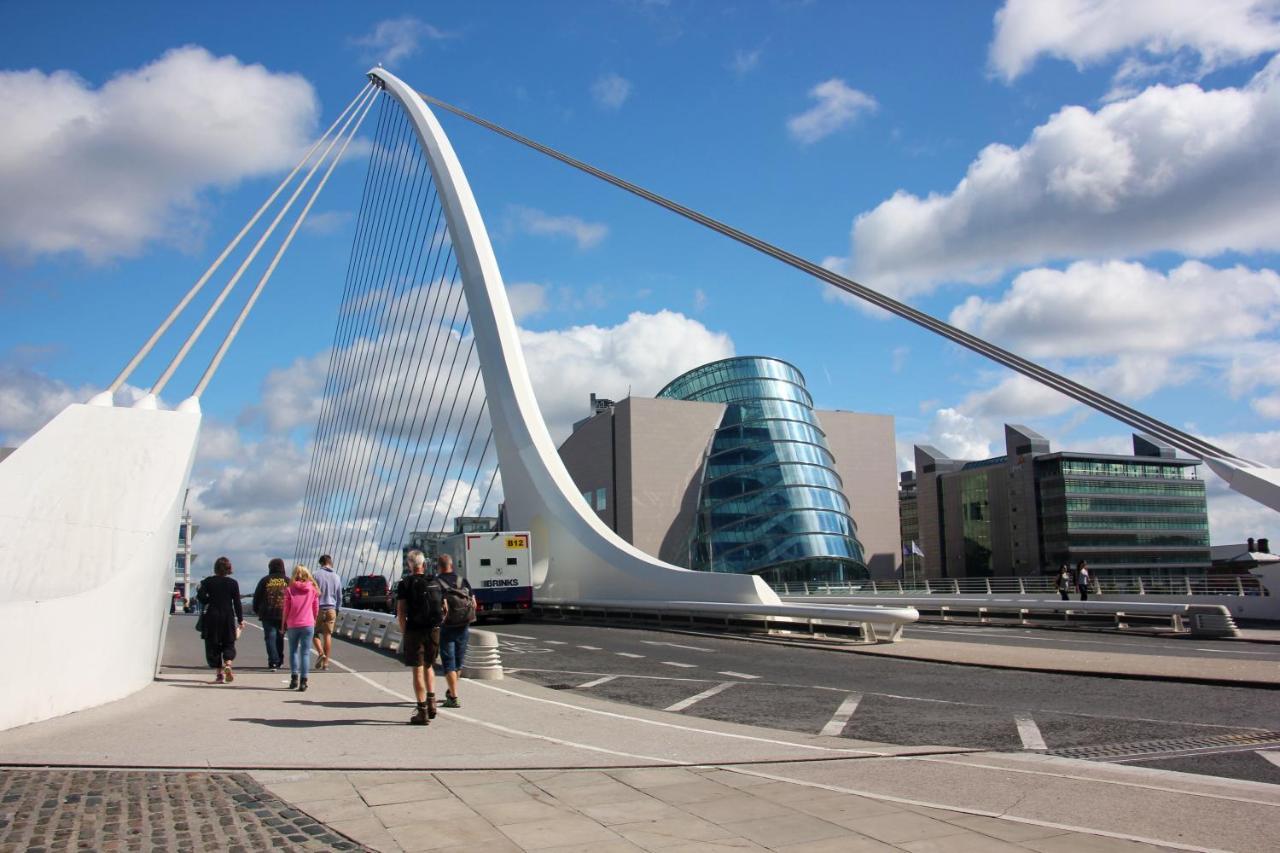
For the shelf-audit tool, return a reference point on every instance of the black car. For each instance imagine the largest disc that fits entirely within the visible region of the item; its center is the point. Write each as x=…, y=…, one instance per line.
x=368, y=592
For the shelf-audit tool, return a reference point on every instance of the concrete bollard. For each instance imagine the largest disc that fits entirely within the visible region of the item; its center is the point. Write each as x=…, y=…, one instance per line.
x=483, y=662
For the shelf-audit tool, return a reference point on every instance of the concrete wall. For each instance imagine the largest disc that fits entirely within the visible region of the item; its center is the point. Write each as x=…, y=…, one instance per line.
x=89, y=511
x=866, y=460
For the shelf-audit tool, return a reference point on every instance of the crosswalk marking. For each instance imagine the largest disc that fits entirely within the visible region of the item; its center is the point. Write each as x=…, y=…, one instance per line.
x=628, y=655
x=681, y=665
x=706, y=694
x=1029, y=732
x=733, y=674
x=598, y=681
x=835, y=726
x=1271, y=755
x=590, y=648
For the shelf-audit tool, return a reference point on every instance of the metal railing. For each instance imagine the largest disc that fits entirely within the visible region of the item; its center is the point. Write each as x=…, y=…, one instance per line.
x=1037, y=585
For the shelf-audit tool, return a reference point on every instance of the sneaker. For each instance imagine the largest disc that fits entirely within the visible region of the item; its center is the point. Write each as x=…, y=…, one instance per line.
x=230, y=676
x=419, y=717
x=293, y=682
x=450, y=702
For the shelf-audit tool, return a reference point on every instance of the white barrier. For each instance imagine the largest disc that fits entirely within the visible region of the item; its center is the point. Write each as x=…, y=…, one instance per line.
x=381, y=630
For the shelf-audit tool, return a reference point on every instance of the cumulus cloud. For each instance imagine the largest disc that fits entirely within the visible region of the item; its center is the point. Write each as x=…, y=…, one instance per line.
x=1182, y=169
x=533, y=221
x=1091, y=309
x=610, y=91
x=397, y=38
x=1087, y=32
x=527, y=299
x=837, y=105
x=102, y=171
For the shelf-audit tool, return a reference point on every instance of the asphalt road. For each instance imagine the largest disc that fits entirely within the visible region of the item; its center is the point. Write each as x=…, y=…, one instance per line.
x=1222, y=731
x=1098, y=641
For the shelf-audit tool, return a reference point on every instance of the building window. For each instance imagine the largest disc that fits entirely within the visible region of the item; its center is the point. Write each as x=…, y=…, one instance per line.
x=600, y=500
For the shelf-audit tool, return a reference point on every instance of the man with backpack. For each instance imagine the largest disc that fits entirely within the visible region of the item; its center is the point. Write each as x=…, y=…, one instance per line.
x=268, y=604
x=459, y=613
x=420, y=611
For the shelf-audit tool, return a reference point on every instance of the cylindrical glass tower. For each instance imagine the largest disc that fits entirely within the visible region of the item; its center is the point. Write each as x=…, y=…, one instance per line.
x=771, y=502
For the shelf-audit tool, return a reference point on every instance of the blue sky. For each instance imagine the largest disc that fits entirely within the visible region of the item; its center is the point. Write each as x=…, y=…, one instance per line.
x=1094, y=188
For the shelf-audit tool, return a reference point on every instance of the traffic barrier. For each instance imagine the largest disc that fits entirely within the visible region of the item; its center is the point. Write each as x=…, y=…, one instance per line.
x=382, y=631
x=483, y=663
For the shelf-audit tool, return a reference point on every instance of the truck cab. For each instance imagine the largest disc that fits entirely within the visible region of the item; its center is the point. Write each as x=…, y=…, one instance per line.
x=498, y=567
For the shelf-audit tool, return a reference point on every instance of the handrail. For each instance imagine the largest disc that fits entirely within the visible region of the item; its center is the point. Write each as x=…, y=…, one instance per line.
x=1232, y=585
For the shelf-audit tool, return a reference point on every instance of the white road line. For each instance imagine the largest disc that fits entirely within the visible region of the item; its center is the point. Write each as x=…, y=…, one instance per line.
x=597, y=682
x=1029, y=732
x=698, y=697
x=590, y=648
x=628, y=655
x=835, y=726
x=1228, y=651
x=555, y=642
x=1271, y=755
x=733, y=674
x=681, y=665
x=515, y=636
x=676, y=646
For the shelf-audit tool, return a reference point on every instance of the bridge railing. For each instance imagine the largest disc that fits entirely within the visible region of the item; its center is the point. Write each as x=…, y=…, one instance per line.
x=1238, y=585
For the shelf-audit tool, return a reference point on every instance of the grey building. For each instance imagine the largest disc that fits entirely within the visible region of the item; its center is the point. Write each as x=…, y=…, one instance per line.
x=1032, y=509
x=679, y=478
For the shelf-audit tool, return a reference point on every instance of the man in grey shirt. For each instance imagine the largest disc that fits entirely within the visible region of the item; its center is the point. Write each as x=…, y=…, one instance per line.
x=330, y=600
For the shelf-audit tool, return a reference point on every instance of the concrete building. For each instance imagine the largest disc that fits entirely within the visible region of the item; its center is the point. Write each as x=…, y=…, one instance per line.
x=909, y=525
x=1032, y=509
x=673, y=476
x=186, y=555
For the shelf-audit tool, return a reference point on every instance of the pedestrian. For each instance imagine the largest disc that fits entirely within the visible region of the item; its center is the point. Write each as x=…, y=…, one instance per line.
x=1064, y=582
x=330, y=586
x=419, y=612
x=268, y=606
x=459, y=613
x=221, y=619
x=301, y=606
x=1082, y=579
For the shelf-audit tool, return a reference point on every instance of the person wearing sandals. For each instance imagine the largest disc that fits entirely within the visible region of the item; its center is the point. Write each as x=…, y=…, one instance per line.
x=221, y=619
x=301, y=606
x=330, y=586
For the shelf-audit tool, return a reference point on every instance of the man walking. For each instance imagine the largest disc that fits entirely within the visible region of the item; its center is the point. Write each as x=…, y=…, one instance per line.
x=1082, y=579
x=459, y=613
x=419, y=611
x=330, y=586
x=268, y=605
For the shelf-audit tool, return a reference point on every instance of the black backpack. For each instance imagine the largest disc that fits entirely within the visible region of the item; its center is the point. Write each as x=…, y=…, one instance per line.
x=424, y=602
x=462, y=610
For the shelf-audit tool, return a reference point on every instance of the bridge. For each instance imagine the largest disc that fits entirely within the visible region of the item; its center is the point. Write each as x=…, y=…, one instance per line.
x=427, y=364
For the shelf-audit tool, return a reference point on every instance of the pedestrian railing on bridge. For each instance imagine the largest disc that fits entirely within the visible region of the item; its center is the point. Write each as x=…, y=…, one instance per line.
x=1038, y=585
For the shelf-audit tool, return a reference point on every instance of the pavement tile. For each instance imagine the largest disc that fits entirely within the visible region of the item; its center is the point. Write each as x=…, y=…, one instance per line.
x=423, y=811
x=327, y=811
x=327, y=787
x=743, y=806
x=787, y=792
x=1078, y=842
x=614, y=792
x=619, y=846
x=565, y=779
x=655, y=777
x=433, y=834
x=1005, y=830
x=493, y=846
x=850, y=843
x=386, y=793
x=693, y=792
x=967, y=842
x=899, y=827
x=369, y=832
x=522, y=811
x=669, y=832
x=631, y=811
x=724, y=845
x=495, y=792
x=561, y=831
x=465, y=778
x=785, y=829
x=733, y=780
x=839, y=808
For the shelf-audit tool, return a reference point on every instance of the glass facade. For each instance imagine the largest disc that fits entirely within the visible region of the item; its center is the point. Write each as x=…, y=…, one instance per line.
x=975, y=510
x=771, y=502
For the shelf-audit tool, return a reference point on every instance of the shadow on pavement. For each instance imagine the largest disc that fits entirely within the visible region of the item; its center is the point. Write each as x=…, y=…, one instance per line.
x=321, y=704
x=309, y=724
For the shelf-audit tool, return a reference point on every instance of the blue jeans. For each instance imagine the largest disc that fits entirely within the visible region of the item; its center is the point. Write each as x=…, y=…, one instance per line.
x=453, y=647
x=300, y=650
x=274, y=637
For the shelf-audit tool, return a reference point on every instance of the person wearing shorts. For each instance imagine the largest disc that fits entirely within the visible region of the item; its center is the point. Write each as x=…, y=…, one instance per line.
x=453, y=638
x=420, y=632
x=330, y=587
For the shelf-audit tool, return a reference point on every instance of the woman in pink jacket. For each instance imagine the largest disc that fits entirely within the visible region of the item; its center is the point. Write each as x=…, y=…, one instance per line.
x=301, y=604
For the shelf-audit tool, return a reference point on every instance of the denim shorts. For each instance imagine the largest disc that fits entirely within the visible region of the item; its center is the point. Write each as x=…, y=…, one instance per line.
x=453, y=647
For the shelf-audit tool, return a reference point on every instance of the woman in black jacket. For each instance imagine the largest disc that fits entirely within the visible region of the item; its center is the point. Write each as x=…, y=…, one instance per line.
x=223, y=618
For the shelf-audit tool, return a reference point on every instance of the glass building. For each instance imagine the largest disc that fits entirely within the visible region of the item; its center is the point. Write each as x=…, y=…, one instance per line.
x=771, y=502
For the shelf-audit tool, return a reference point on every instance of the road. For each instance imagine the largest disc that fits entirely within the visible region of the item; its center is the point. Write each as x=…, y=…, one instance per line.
x=1098, y=641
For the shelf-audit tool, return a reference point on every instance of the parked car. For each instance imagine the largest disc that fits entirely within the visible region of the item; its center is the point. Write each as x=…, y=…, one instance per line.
x=368, y=592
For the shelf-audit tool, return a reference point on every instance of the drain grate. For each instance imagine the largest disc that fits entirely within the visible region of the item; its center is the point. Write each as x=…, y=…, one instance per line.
x=1157, y=747
x=558, y=686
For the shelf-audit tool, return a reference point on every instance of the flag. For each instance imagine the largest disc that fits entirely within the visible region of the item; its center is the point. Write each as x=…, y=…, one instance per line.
x=915, y=549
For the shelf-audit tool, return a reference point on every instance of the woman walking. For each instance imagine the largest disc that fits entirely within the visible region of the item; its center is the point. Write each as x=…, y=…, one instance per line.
x=219, y=597
x=301, y=605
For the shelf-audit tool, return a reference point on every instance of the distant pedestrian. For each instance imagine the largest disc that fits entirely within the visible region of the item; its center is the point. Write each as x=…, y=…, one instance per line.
x=459, y=613
x=223, y=619
x=301, y=606
x=419, y=612
x=1064, y=582
x=330, y=586
x=1082, y=579
x=268, y=606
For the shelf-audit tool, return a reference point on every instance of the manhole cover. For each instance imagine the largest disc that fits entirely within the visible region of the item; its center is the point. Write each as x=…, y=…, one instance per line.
x=1156, y=747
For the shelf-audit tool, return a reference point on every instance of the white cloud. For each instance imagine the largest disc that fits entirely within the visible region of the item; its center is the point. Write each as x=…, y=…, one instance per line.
x=1180, y=169
x=610, y=91
x=397, y=38
x=102, y=171
x=527, y=299
x=838, y=105
x=327, y=222
x=744, y=61
x=1268, y=407
x=1087, y=32
x=533, y=221
x=1092, y=309
x=959, y=436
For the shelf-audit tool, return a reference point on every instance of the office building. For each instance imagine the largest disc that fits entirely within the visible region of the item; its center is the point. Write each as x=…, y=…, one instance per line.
x=1033, y=509
x=186, y=555
x=730, y=468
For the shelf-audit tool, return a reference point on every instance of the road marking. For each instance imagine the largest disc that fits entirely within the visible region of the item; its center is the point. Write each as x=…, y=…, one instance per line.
x=681, y=665
x=590, y=648
x=597, y=682
x=733, y=674
x=835, y=726
x=676, y=646
x=1029, y=732
x=698, y=697
x=556, y=642
x=1271, y=755
x=516, y=636
x=628, y=655
x=1228, y=651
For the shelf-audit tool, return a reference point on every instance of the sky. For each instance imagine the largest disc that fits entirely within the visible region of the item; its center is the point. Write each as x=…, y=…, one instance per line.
x=1090, y=183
